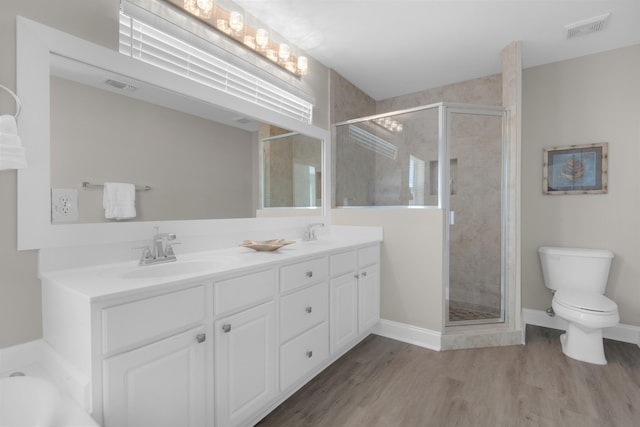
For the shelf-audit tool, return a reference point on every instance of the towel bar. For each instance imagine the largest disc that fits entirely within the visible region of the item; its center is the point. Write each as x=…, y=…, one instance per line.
x=86, y=184
x=15, y=97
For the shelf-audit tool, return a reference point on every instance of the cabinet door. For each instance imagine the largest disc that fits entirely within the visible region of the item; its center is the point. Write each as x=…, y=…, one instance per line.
x=161, y=384
x=368, y=297
x=344, y=310
x=245, y=364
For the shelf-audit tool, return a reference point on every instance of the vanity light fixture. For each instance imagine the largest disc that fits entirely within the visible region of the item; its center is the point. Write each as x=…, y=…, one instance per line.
x=229, y=19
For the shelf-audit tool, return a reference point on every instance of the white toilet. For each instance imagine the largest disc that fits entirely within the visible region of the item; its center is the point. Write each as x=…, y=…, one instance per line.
x=579, y=277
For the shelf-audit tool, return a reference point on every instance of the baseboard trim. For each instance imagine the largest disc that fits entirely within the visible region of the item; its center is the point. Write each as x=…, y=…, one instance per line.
x=410, y=334
x=621, y=332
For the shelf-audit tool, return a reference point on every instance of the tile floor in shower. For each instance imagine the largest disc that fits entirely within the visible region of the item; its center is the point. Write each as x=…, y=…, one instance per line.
x=459, y=313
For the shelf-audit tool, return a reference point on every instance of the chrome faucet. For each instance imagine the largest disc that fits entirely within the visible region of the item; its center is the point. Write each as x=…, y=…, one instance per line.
x=310, y=233
x=159, y=252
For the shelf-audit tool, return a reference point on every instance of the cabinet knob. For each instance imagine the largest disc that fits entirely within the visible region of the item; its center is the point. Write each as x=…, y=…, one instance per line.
x=201, y=338
x=364, y=274
x=308, y=309
x=226, y=328
x=309, y=273
x=356, y=276
x=309, y=354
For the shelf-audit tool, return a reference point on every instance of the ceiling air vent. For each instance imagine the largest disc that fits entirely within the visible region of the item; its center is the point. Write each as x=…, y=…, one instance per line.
x=587, y=26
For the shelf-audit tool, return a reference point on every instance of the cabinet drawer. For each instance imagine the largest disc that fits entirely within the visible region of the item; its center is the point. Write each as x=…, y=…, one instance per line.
x=343, y=263
x=368, y=255
x=127, y=324
x=303, y=273
x=303, y=309
x=299, y=356
x=243, y=291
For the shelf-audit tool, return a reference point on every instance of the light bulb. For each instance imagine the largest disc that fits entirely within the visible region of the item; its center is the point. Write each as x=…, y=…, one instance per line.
x=236, y=22
x=199, y=8
x=284, y=52
x=303, y=65
x=205, y=5
x=262, y=38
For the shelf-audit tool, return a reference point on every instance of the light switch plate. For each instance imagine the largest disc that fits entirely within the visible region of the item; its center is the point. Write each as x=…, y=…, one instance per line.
x=64, y=205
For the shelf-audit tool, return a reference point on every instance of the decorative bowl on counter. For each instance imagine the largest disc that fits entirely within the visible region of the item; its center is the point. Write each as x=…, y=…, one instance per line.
x=266, y=245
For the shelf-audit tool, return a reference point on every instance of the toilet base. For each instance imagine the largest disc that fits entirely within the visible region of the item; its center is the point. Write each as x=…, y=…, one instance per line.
x=584, y=345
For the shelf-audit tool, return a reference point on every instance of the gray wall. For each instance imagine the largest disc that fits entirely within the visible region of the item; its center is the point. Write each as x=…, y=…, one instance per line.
x=591, y=99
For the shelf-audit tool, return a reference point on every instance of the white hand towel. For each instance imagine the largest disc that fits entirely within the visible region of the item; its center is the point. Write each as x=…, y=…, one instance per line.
x=119, y=200
x=8, y=125
x=12, y=154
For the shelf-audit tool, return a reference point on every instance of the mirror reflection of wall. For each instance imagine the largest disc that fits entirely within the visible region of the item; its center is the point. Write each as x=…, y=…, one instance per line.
x=291, y=169
x=197, y=168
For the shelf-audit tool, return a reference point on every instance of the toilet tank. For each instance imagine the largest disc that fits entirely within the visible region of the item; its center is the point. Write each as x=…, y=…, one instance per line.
x=575, y=268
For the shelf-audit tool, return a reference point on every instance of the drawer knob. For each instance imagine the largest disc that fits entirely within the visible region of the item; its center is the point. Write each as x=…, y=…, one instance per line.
x=226, y=328
x=309, y=354
x=356, y=276
x=309, y=273
x=364, y=274
x=308, y=309
x=201, y=338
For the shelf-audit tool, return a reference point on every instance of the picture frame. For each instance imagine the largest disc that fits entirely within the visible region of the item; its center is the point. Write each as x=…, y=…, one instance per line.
x=576, y=169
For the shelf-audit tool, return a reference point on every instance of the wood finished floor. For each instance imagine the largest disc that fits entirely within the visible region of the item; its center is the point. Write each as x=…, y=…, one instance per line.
x=383, y=382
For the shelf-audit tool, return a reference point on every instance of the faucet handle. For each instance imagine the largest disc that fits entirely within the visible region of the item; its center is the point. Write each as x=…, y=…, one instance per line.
x=145, y=256
x=310, y=232
x=169, y=249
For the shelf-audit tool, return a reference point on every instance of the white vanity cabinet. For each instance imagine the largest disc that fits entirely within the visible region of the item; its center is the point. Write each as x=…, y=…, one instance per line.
x=220, y=350
x=245, y=346
x=153, y=375
x=355, y=295
x=161, y=384
x=368, y=287
x=304, y=316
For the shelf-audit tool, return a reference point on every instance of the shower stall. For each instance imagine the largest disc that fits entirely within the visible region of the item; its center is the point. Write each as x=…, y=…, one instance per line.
x=446, y=156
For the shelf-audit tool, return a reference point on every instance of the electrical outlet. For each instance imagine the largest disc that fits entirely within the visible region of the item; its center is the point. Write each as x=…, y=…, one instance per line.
x=64, y=205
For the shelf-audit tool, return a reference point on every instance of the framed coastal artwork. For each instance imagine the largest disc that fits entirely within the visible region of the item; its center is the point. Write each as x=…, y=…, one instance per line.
x=575, y=169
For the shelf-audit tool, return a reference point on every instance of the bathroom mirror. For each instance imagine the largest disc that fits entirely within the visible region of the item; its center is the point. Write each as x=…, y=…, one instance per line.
x=103, y=129
x=291, y=169
x=49, y=62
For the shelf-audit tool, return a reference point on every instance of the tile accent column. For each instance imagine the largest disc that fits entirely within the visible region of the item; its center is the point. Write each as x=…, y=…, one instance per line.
x=512, y=101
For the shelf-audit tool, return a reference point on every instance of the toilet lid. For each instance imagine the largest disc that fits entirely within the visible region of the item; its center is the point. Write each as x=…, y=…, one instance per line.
x=585, y=300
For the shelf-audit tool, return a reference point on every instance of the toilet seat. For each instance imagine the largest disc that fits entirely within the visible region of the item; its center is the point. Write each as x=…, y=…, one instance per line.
x=592, y=302
x=586, y=309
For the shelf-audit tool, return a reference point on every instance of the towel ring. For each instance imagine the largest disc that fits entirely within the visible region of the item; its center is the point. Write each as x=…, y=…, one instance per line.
x=15, y=97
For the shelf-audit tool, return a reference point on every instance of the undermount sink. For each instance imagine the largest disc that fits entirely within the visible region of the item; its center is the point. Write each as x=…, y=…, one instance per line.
x=174, y=269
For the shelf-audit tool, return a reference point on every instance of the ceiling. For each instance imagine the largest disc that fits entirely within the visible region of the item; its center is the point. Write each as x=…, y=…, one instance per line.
x=393, y=47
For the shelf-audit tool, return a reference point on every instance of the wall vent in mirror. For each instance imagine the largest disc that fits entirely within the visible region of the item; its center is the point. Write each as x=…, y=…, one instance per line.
x=120, y=85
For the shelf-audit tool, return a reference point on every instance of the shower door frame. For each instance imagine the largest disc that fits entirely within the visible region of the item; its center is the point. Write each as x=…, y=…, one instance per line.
x=444, y=202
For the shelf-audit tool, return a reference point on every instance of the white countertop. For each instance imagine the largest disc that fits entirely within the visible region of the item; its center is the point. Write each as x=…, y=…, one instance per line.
x=106, y=281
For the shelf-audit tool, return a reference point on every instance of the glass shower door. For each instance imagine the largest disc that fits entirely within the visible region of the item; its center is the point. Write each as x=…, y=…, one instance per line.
x=476, y=232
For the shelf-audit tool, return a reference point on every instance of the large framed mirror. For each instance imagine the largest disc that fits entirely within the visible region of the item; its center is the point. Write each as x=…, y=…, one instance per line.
x=93, y=116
